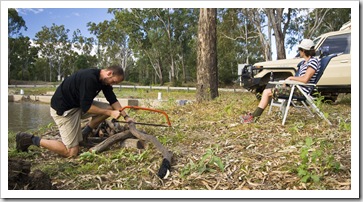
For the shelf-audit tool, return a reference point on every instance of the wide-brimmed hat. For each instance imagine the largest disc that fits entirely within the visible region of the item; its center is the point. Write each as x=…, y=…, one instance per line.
x=306, y=44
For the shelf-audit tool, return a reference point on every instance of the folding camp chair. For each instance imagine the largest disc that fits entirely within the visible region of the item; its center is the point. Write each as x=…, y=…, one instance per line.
x=306, y=100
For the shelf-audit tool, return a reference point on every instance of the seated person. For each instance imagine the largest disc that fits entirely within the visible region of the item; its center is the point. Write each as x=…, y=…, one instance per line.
x=307, y=74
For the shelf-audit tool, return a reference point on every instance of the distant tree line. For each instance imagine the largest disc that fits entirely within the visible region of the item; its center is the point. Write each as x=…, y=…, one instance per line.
x=160, y=45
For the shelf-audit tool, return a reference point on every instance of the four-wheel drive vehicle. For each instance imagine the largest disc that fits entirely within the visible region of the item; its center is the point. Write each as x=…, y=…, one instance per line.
x=336, y=78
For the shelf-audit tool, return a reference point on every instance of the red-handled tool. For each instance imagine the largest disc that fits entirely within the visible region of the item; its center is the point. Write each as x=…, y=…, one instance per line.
x=148, y=109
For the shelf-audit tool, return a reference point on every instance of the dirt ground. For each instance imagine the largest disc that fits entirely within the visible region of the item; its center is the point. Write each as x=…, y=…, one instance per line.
x=20, y=177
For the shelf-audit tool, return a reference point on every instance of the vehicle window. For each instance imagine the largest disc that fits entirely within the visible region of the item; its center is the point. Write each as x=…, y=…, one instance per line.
x=337, y=44
x=316, y=41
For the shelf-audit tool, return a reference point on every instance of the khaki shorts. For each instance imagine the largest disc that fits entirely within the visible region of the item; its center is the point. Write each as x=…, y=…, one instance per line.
x=69, y=124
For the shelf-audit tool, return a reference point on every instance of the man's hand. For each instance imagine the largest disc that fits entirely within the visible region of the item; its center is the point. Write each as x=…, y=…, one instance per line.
x=115, y=114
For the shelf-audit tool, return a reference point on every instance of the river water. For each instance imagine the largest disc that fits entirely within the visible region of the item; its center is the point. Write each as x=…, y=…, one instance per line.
x=28, y=116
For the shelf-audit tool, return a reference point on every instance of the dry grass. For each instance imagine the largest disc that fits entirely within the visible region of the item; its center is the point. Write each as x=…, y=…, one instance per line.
x=212, y=150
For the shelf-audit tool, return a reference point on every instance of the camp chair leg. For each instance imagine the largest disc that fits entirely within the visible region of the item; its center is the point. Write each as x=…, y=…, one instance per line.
x=288, y=104
x=327, y=120
x=319, y=113
x=277, y=103
x=283, y=107
x=271, y=103
x=315, y=108
x=307, y=108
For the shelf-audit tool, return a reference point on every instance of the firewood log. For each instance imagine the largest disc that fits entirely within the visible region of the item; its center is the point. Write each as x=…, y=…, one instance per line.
x=110, y=141
x=133, y=143
x=167, y=155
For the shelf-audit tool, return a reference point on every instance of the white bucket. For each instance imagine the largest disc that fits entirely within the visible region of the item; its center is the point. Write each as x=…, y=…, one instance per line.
x=159, y=95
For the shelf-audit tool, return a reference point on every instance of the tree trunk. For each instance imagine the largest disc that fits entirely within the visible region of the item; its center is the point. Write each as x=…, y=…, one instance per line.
x=50, y=70
x=269, y=42
x=9, y=64
x=275, y=17
x=207, y=72
x=254, y=17
x=184, y=69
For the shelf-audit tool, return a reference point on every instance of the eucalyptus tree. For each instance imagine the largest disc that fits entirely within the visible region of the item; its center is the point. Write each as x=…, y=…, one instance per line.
x=207, y=71
x=185, y=43
x=83, y=44
x=161, y=35
x=252, y=27
x=40, y=71
x=81, y=57
x=310, y=23
x=166, y=17
x=70, y=62
x=238, y=42
x=112, y=43
x=24, y=57
x=15, y=24
x=139, y=26
x=231, y=40
x=155, y=54
x=279, y=22
x=98, y=30
x=54, y=45
x=180, y=28
x=323, y=20
x=259, y=22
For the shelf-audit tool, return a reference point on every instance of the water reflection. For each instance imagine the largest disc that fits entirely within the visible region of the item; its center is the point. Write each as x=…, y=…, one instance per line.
x=25, y=116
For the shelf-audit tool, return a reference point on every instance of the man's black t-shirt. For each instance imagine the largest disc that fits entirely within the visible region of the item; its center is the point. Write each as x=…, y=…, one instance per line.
x=79, y=90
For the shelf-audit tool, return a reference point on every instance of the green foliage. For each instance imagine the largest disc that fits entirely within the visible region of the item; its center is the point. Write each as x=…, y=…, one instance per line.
x=21, y=58
x=15, y=22
x=88, y=156
x=315, y=161
x=319, y=99
x=137, y=157
x=334, y=18
x=23, y=75
x=229, y=108
x=301, y=27
x=45, y=128
x=344, y=125
x=206, y=164
x=298, y=126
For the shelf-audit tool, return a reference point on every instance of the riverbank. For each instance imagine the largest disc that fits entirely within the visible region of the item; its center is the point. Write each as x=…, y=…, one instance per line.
x=127, y=95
